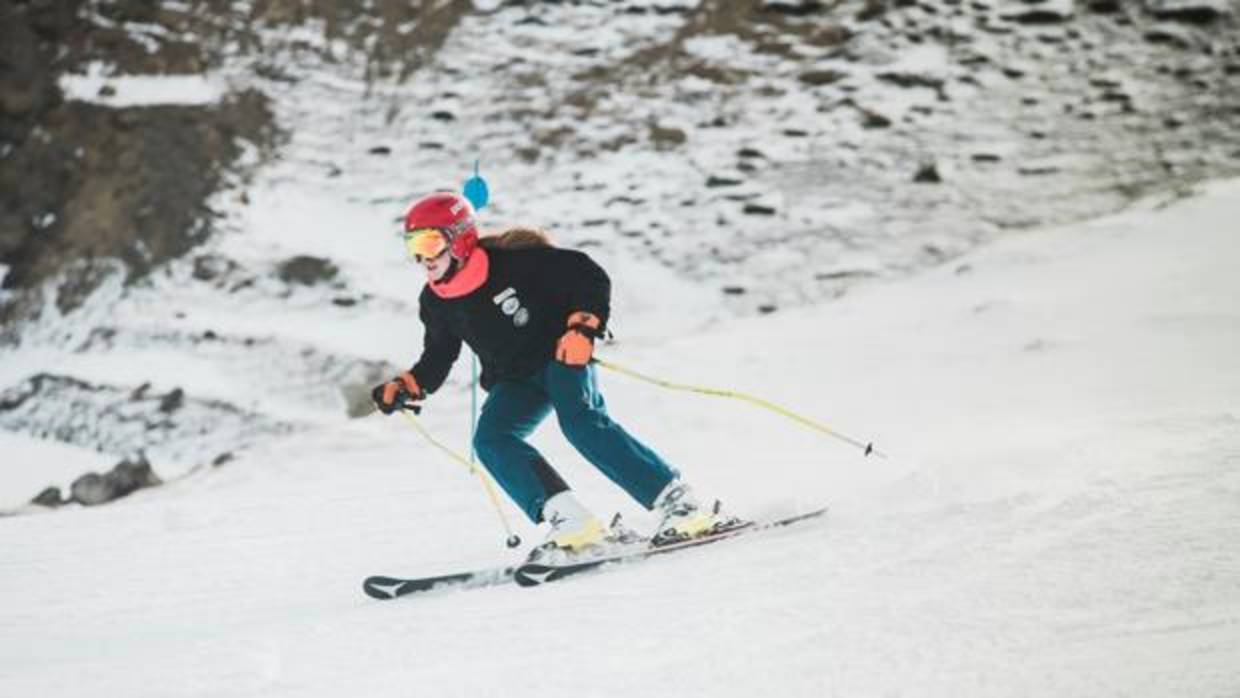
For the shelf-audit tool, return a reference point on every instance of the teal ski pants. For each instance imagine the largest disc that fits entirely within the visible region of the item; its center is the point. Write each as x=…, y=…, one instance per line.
x=513, y=409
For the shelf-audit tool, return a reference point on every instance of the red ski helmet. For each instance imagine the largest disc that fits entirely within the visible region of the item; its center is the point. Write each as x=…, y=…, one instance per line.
x=448, y=214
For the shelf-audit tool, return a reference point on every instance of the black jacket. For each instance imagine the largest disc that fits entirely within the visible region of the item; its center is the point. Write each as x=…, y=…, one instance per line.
x=512, y=322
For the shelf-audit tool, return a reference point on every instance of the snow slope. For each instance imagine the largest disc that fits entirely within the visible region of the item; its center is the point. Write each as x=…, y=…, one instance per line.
x=1058, y=515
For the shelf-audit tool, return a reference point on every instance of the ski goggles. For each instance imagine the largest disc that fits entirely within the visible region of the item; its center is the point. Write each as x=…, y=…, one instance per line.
x=425, y=243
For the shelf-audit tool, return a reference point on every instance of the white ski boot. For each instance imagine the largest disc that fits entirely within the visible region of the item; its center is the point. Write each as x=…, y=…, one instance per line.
x=682, y=517
x=574, y=530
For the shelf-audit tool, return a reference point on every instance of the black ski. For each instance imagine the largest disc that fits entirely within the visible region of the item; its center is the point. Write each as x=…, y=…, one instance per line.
x=380, y=587
x=534, y=574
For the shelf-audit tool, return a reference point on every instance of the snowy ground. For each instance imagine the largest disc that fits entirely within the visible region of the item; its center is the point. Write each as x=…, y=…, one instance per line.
x=1058, y=515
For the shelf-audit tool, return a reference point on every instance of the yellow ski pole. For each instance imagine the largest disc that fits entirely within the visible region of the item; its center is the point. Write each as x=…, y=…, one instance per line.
x=513, y=539
x=866, y=447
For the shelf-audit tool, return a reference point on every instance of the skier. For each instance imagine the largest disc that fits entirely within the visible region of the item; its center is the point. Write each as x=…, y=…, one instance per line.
x=531, y=313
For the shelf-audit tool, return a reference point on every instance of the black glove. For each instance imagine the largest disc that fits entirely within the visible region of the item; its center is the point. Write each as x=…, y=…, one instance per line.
x=397, y=393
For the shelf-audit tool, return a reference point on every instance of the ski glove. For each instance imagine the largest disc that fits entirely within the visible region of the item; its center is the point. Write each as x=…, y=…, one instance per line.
x=393, y=394
x=576, y=346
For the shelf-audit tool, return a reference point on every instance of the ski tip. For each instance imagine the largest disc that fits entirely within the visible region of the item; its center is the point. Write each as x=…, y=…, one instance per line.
x=381, y=588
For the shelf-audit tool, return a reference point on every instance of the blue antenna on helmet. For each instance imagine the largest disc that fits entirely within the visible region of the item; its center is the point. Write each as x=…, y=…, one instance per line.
x=476, y=189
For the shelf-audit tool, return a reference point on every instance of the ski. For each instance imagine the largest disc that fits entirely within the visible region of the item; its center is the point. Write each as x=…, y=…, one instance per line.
x=534, y=574
x=384, y=588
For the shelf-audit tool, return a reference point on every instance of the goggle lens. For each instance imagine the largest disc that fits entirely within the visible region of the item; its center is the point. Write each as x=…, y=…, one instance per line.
x=425, y=243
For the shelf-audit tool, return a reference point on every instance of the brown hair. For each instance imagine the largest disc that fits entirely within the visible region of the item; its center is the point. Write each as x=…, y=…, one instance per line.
x=515, y=239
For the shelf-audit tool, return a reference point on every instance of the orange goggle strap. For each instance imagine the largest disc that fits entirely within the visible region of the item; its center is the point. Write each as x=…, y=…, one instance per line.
x=425, y=243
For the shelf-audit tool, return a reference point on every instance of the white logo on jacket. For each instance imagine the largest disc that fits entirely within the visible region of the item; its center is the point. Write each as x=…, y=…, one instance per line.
x=510, y=305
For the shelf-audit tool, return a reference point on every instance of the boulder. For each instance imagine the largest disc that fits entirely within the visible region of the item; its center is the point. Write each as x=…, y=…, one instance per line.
x=307, y=271
x=1191, y=11
x=49, y=497
x=1049, y=12
x=928, y=173
x=127, y=477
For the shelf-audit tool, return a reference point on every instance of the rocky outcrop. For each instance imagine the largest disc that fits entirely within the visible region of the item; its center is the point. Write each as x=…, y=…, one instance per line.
x=92, y=489
x=82, y=181
x=127, y=477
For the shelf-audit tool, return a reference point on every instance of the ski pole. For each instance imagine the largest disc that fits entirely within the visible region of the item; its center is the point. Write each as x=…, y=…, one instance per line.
x=513, y=539
x=866, y=447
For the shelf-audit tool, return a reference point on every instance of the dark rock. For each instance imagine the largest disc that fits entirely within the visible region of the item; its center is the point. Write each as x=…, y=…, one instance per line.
x=750, y=153
x=380, y=150
x=795, y=133
x=928, y=173
x=211, y=267
x=873, y=9
x=734, y=290
x=767, y=308
x=1189, y=11
x=307, y=270
x=134, y=474
x=344, y=302
x=665, y=138
x=173, y=401
x=125, y=478
x=91, y=489
x=821, y=77
x=443, y=115
x=1170, y=35
x=1046, y=12
x=715, y=181
x=752, y=209
x=49, y=497
x=986, y=157
x=872, y=119
x=907, y=79
x=1103, y=6
x=792, y=8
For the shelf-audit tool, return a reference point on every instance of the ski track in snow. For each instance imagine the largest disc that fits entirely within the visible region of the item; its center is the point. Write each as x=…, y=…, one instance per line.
x=1059, y=515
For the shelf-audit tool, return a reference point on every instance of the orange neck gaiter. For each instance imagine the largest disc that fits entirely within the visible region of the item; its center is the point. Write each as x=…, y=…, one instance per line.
x=467, y=279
